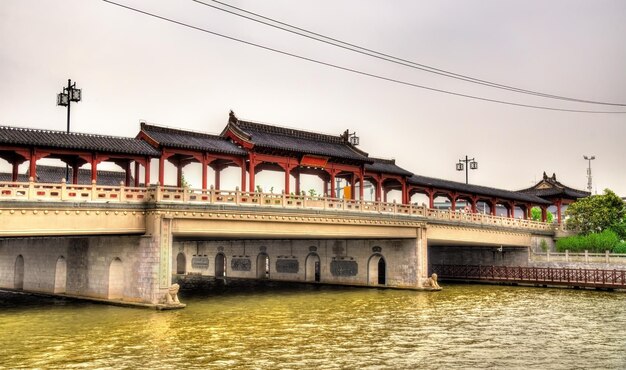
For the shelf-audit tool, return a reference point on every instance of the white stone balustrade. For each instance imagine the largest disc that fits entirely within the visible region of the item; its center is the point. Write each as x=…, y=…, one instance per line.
x=33, y=191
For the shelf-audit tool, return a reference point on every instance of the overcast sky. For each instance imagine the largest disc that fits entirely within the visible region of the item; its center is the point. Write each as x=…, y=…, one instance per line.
x=132, y=67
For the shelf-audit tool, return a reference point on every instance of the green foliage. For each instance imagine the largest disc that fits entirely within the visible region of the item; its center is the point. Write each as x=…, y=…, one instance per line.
x=596, y=213
x=594, y=242
x=620, y=248
x=259, y=189
x=535, y=214
x=312, y=193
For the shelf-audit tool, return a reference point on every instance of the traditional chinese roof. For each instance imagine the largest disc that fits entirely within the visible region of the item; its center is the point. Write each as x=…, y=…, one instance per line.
x=270, y=137
x=388, y=166
x=54, y=174
x=74, y=140
x=183, y=139
x=481, y=191
x=550, y=188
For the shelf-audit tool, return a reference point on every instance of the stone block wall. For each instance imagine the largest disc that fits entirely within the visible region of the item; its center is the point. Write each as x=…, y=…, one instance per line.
x=346, y=262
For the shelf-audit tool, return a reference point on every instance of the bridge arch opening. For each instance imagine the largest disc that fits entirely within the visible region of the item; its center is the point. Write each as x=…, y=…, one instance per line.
x=116, y=279
x=263, y=266
x=60, y=276
x=312, y=268
x=181, y=263
x=18, y=275
x=220, y=265
x=377, y=270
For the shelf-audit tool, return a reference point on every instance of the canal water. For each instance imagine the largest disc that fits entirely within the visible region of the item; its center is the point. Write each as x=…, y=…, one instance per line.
x=312, y=327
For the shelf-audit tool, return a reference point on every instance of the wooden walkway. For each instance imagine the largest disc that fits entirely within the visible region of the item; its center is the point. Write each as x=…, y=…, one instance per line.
x=593, y=278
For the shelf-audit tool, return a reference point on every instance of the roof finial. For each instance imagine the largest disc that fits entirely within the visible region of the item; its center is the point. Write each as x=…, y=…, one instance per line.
x=231, y=117
x=553, y=176
x=545, y=177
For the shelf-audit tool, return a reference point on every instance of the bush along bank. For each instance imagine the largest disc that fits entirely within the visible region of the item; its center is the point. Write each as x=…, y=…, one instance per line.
x=607, y=240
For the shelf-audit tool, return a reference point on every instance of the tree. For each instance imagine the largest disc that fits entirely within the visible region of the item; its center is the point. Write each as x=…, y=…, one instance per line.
x=597, y=213
x=535, y=214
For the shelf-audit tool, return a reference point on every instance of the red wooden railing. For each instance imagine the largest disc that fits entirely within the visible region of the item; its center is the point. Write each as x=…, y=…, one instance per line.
x=534, y=275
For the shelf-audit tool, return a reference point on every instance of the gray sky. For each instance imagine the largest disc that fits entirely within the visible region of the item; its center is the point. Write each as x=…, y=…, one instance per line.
x=132, y=67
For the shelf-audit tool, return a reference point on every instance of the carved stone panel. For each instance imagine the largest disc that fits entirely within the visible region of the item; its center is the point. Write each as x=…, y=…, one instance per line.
x=240, y=264
x=344, y=268
x=200, y=263
x=287, y=266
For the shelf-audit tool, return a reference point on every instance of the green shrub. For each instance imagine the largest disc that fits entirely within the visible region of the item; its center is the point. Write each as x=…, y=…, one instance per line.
x=620, y=248
x=594, y=242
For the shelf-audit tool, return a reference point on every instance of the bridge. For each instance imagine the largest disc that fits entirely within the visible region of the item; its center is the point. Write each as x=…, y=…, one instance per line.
x=125, y=243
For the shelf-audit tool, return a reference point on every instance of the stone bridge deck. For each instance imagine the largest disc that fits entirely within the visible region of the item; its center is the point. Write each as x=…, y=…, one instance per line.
x=120, y=210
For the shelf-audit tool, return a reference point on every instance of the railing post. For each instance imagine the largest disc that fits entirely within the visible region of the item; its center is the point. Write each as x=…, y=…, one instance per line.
x=31, y=188
x=63, y=190
x=212, y=194
x=94, y=190
x=606, y=256
x=122, y=191
x=548, y=255
x=586, y=256
x=158, y=192
x=237, y=196
x=567, y=255
x=284, y=198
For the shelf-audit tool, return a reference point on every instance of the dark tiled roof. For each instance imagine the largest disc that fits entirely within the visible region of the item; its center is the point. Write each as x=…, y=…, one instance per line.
x=74, y=140
x=175, y=138
x=386, y=166
x=297, y=141
x=54, y=174
x=550, y=187
x=475, y=189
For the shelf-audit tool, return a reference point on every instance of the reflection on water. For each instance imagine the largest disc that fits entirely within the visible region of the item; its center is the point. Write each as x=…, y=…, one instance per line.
x=275, y=326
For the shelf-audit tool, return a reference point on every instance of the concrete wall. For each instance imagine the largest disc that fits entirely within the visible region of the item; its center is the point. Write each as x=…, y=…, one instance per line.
x=477, y=255
x=341, y=261
x=87, y=265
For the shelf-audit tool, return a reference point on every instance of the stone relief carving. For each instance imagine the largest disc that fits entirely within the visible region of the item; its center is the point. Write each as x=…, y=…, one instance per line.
x=289, y=266
x=240, y=264
x=344, y=268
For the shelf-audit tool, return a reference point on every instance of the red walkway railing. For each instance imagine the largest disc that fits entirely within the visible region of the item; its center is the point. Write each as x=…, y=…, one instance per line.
x=534, y=275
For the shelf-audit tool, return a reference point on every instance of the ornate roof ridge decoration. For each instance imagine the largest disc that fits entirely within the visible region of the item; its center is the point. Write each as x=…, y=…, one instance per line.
x=168, y=129
x=75, y=140
x=480, y=190
x=262, y=135
x=549, y=186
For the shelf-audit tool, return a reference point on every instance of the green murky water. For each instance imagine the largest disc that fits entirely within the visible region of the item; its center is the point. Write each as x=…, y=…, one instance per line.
x=277, y=327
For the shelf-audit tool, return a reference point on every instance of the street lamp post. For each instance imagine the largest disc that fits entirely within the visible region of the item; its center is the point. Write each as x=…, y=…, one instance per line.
x=467, y=164
x=591, y=158
x=68, y=95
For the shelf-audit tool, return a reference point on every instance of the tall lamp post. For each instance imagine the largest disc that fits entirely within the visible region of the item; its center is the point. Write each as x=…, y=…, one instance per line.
x=467, y=164
x=68, y=95
x=591, y=158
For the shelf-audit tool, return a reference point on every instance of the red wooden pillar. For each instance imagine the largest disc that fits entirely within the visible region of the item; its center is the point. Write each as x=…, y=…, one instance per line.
x=218, y=171
x=362, y=186
x=452, y=201
x=74, y=174
x=252, y=172
x=544, y=214
x=379, y=189
x=405, y=197
x=94, y=169
x=325, y=187
x=512, y=206
x=179, y=175
x=127, y=177
x=136, y=174
x=15, y=171
x=558, y=210
x=353, y=186
x=431, y=199
x=162, y=169
x=287, y=179
x=494, y=206
x=205, y=166
x=146, y=180
x=243, y=174
x=332, y=184
x=297, y=176
x=32, y=171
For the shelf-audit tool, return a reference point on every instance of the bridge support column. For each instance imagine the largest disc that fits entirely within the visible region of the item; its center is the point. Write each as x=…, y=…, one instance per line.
x=421, y=254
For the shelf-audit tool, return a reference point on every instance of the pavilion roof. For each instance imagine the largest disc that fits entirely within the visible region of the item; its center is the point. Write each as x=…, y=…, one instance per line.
x=295, y=141
x=389, y=166
x=74, y=140
x=54, y=174
x=183, y=139
x=483, y=191
x=550, y=187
